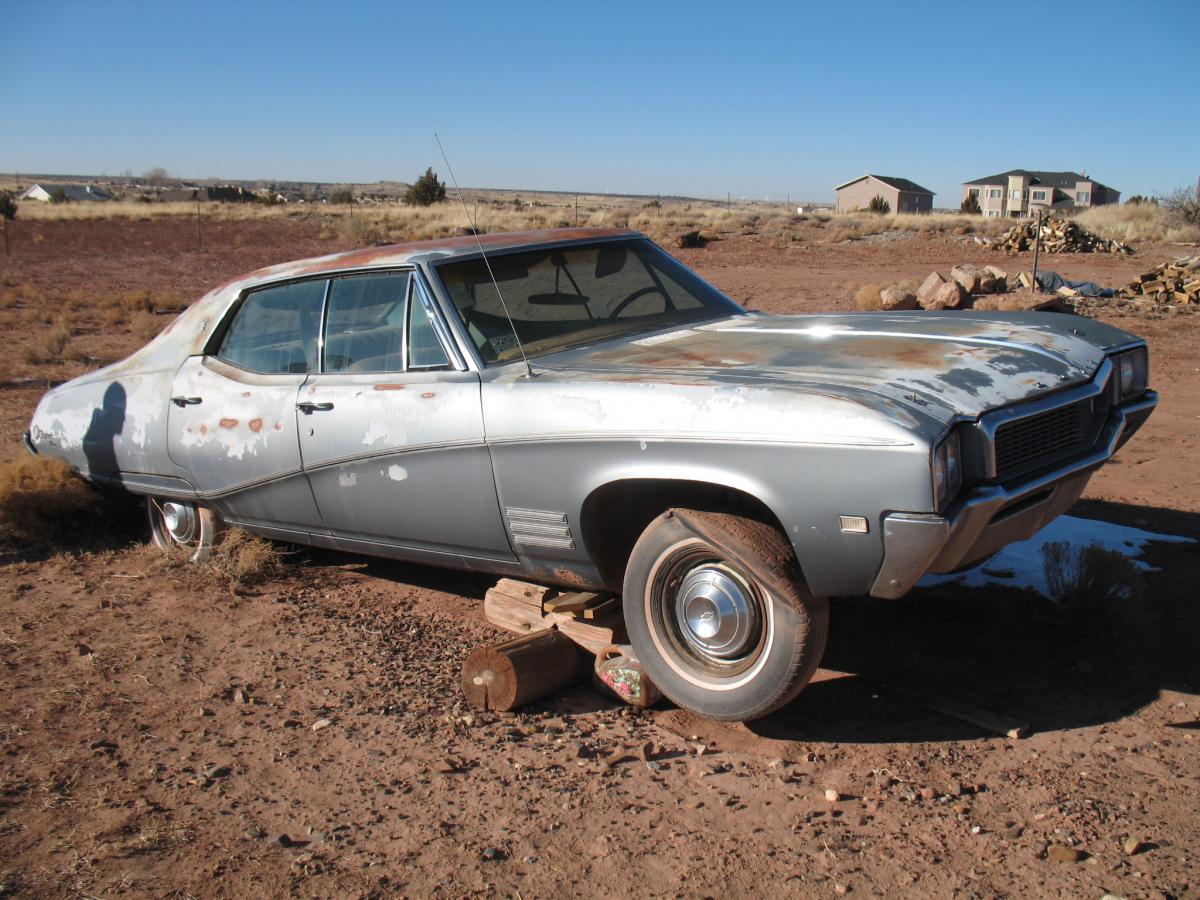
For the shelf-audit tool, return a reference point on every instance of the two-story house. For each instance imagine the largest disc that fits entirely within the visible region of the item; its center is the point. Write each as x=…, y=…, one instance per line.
x=1020, y=192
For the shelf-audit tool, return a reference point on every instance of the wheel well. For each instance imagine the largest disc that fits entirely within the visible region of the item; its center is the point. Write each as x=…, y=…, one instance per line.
x=615, y=515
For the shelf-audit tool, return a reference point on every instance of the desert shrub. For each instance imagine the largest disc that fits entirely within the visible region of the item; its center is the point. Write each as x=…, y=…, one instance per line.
x=1092, y=580
x=43, y=503
x=426, y=190
x=51, y=346
x=879, y=205
x=362, y=231
x=342, y=197
x=241, y=558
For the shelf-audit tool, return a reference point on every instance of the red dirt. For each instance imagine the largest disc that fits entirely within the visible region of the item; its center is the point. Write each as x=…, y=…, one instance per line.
x=156, y=731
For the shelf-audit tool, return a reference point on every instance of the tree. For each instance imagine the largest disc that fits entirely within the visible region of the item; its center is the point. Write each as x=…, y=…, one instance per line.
x=8, y=209
x=879, y=205
x=157, y=177
x=970, y=205
x=1185, y=203
x=1139, y=200
x=426, y=190
x=343, y=196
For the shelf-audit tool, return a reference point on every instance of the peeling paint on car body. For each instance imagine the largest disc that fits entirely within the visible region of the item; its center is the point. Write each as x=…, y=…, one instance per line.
x=812, y=416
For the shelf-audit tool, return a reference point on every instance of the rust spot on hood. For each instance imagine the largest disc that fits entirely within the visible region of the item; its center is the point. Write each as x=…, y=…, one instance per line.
x=228, y=423
x=428, y=395
x=255, y=425
x=390, y=387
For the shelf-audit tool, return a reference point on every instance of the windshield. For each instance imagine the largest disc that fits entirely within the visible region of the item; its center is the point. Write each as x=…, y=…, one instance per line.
x=569, y=296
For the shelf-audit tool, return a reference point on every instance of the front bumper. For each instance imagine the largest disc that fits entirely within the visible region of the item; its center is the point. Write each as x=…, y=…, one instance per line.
x=989, y=518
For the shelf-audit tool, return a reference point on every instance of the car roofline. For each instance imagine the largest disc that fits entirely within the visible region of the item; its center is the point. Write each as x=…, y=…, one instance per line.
x=416, y=252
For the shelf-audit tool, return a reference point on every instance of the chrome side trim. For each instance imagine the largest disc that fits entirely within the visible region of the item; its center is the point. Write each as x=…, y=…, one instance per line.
x=27, y=441
x=539, y=528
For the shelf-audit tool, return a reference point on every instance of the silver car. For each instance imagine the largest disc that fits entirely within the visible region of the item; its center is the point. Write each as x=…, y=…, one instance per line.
x=577, y=408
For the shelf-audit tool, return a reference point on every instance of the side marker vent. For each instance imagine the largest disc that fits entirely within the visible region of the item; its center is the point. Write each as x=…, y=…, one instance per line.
x=539, y=528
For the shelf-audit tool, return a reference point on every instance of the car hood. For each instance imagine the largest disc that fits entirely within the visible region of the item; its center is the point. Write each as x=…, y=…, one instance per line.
x=946, y=364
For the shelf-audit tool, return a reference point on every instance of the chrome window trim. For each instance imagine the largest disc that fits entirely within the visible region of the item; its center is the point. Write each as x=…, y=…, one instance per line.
x=990, y=422
x=437, y=320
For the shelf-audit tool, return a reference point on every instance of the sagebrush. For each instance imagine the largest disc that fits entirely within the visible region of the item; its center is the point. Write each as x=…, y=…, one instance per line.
x=44, y=503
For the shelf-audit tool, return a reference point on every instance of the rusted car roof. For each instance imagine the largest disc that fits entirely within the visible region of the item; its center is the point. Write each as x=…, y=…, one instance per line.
x=397, y=254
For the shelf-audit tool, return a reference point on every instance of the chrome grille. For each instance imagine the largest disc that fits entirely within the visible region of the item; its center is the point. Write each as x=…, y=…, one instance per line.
x=1024, y=445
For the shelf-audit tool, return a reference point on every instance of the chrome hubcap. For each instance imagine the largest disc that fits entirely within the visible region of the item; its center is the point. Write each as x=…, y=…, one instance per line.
x=180, y=521
x=716, y=613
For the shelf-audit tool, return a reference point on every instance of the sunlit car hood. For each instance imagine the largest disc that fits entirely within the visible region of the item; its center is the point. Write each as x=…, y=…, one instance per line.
x=960, y=362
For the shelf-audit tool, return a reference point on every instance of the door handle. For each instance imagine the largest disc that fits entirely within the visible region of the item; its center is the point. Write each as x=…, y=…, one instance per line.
x=308, y=407
x=186, y=401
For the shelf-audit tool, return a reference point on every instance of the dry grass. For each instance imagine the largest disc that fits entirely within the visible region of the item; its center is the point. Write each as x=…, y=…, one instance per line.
x=242, y=558
x=378, y=223
x=1138, y=222
x=44, y=504
x=1093, y=581
x=49, y=346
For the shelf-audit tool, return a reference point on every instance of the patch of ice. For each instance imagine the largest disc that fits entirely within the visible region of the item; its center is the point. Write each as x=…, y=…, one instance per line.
x=1020, y=565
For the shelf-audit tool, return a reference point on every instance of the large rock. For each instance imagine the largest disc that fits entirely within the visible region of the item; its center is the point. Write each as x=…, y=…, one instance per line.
x=1024, y=301
x=894, y=298
x=1001, y=277
x=971, y=278
x=928, y=288
x=950, y=295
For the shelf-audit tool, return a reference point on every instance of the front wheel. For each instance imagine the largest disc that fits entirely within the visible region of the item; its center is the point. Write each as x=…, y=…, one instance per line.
x=182, y=527
x=719, y=614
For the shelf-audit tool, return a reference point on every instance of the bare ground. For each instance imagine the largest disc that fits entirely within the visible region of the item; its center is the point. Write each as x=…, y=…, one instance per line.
x=156, y=731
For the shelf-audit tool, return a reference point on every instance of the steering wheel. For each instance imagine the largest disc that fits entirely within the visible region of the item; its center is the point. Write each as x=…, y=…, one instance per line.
x=641, y=292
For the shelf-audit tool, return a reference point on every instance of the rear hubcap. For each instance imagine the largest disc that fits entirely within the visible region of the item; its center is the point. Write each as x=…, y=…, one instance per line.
x=180, y=521
x=716, y=614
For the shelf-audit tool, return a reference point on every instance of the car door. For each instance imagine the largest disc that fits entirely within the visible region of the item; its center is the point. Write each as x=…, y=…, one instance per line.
x=232, y=420
x=391, y=429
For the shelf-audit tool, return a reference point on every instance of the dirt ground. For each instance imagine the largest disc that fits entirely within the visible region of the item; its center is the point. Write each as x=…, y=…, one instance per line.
x=157, y=734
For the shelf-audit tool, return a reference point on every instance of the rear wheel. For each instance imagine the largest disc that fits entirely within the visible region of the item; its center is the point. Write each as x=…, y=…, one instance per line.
x=720, y=616
x=182, y=527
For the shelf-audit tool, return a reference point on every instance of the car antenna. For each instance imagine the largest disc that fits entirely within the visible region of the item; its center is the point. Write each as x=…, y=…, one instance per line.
x=475, y=231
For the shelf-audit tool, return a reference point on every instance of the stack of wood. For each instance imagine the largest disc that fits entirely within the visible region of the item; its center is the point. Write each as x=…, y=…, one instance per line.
x=1167, y=290
x=560, y=636
x=1058, y=236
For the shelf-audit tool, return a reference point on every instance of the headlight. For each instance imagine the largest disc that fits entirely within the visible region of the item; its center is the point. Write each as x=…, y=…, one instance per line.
x=1133, y=374
x=947, y=471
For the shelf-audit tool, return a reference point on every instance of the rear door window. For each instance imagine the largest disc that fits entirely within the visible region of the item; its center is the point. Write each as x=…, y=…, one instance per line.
x=365, y=330
x=275, y=330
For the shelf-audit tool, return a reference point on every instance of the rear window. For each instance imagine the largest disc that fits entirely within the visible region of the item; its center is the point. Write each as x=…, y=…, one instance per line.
x=275, y=329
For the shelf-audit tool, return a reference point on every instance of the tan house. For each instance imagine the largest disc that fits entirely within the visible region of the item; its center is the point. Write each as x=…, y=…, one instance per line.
x=902, y=195
x=1020, y=192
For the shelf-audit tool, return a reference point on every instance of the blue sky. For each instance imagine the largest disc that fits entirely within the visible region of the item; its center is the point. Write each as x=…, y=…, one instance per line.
x=757, y=99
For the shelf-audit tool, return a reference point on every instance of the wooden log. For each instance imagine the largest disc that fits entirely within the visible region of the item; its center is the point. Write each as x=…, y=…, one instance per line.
x=504, y=676
x=516, y=606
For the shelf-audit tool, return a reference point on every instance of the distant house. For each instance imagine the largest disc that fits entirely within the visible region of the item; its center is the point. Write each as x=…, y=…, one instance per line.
x=73, y=192
x=902, y=195
x=183, y=194
x=1021, y=192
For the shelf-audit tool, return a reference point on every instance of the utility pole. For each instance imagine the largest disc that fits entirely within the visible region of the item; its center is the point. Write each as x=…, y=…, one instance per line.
x=1037, y=246
x=199, y=227
x=728, y=201
x=576, y=210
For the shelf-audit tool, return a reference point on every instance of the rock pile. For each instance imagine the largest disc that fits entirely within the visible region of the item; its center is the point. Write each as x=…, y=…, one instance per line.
x=1058, y=236
x=970, y=287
